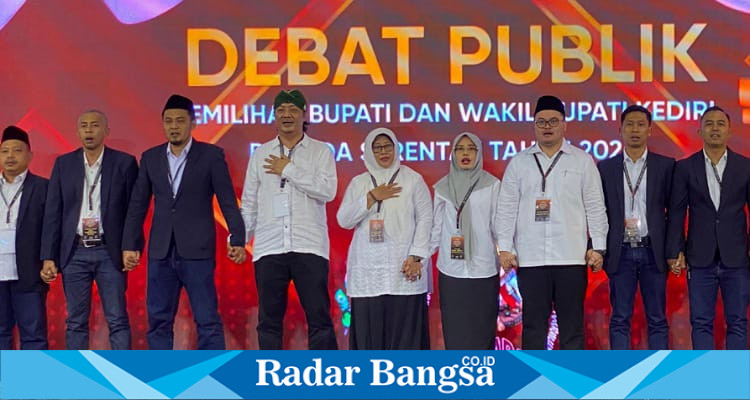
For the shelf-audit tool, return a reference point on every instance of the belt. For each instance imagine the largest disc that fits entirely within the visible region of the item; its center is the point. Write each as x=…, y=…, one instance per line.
x=644, y=242
x=89, y=243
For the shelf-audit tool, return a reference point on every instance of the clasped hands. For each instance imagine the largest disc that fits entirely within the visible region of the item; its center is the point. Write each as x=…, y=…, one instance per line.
x=677, y=265
x=412, y=269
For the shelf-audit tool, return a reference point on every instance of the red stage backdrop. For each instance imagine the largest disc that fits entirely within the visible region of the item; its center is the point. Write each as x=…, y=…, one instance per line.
x=426, y=69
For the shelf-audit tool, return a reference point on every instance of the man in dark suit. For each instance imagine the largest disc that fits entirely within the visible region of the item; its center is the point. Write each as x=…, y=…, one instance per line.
x=182, y=175
x=714, y=184
x=23, y=295
x=87, y=200
x=636, y=191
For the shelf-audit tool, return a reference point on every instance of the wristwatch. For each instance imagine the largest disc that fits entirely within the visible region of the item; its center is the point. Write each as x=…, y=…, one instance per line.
x=601, y=252
x=417, y=258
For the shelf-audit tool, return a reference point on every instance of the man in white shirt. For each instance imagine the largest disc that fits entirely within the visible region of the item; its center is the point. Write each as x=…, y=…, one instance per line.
x=550, y=198
x=714, y=185
x=636, y=191
x=289, y=180
x=23, y=295
x=84, y=215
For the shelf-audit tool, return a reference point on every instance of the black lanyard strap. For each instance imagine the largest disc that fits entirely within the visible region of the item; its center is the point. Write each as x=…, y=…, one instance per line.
x=716, y=174
x=289, y=156
x=12, y=202
x=92, y=187
x=172, y=178
x=375, y=184
x=634, y=190
x=546, y=174
x=460, y=208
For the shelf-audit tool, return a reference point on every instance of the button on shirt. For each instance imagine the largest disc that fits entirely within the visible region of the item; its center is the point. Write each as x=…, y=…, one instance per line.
x=714, y=187
x=310, y=184
x=95, y=211
x=374, y=269
x=177, y=165
x=8, y=269
x=639, y=209
x=484, y=261
x=577, y=204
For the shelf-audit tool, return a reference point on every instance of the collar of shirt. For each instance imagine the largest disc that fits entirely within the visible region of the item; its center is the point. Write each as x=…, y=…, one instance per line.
x=184, y=152
x=19, y=179
x=565, y=148
x=642, y=158
x=722, y=160
x=302, y=143
x=96, y=164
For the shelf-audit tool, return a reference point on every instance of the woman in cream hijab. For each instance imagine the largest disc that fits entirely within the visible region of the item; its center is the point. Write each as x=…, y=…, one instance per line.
x=390, y=210
x=464, y=230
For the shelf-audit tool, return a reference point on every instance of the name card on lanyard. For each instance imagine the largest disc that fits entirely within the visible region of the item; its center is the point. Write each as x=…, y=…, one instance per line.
x=543, y=204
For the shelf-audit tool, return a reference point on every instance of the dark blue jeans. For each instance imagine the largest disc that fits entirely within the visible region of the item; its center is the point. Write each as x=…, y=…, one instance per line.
x=703, y=286
x=637, y=266
x=166, y=277
x=27, y=310
x=90, y=265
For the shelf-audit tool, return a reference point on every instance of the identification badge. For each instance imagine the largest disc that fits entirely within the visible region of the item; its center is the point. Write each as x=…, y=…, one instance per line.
x=281, y=204
x=542, y=210
x=631, y=230
x=8, y=241
x=377, y=231
x=457, y=247
x=90, y=229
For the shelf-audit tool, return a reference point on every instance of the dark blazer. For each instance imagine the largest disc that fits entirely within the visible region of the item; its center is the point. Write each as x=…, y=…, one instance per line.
x=189, y=217
x=658, y=186
x=64, y=197
x=29, y=233
x=709, y=229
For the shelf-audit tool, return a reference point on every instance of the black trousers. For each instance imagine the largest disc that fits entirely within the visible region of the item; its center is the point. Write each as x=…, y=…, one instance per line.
x=309, y=273
x=542, y=288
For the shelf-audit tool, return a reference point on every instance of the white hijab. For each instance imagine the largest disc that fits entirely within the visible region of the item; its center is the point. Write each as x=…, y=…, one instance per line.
x=394, y=224
x=382, y=175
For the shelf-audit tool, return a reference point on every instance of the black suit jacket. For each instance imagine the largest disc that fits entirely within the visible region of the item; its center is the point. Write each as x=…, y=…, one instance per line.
x=64, y=197
x=189, y=216
x=29, y=233
x=658, y=186
x=709, y=229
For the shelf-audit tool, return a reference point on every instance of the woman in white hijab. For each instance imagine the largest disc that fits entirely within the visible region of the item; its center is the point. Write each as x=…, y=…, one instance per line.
x=390, y=210
x=464, y=230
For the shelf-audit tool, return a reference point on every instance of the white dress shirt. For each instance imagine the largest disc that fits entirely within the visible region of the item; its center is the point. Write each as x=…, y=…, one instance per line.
x=89, y=180
x=577, y=205
x=8, y=268
x=177, y=165
x=714, y=186
x=637, y=210
x=310, y=184
x=374, y=269
x=485, y=215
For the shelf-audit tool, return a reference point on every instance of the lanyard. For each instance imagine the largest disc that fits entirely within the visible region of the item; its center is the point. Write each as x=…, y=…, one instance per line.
x=716, y=174
x=91, y=188
x=463, y=203
x=172, y=179
x=633, y=190
x=12, y=201
x=375, y=184
x=289, y=156
x=546, y=174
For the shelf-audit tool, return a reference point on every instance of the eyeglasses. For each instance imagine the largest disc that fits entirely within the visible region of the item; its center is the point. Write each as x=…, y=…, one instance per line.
x=461, y=149
x=542, y=123
x=386, y=148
